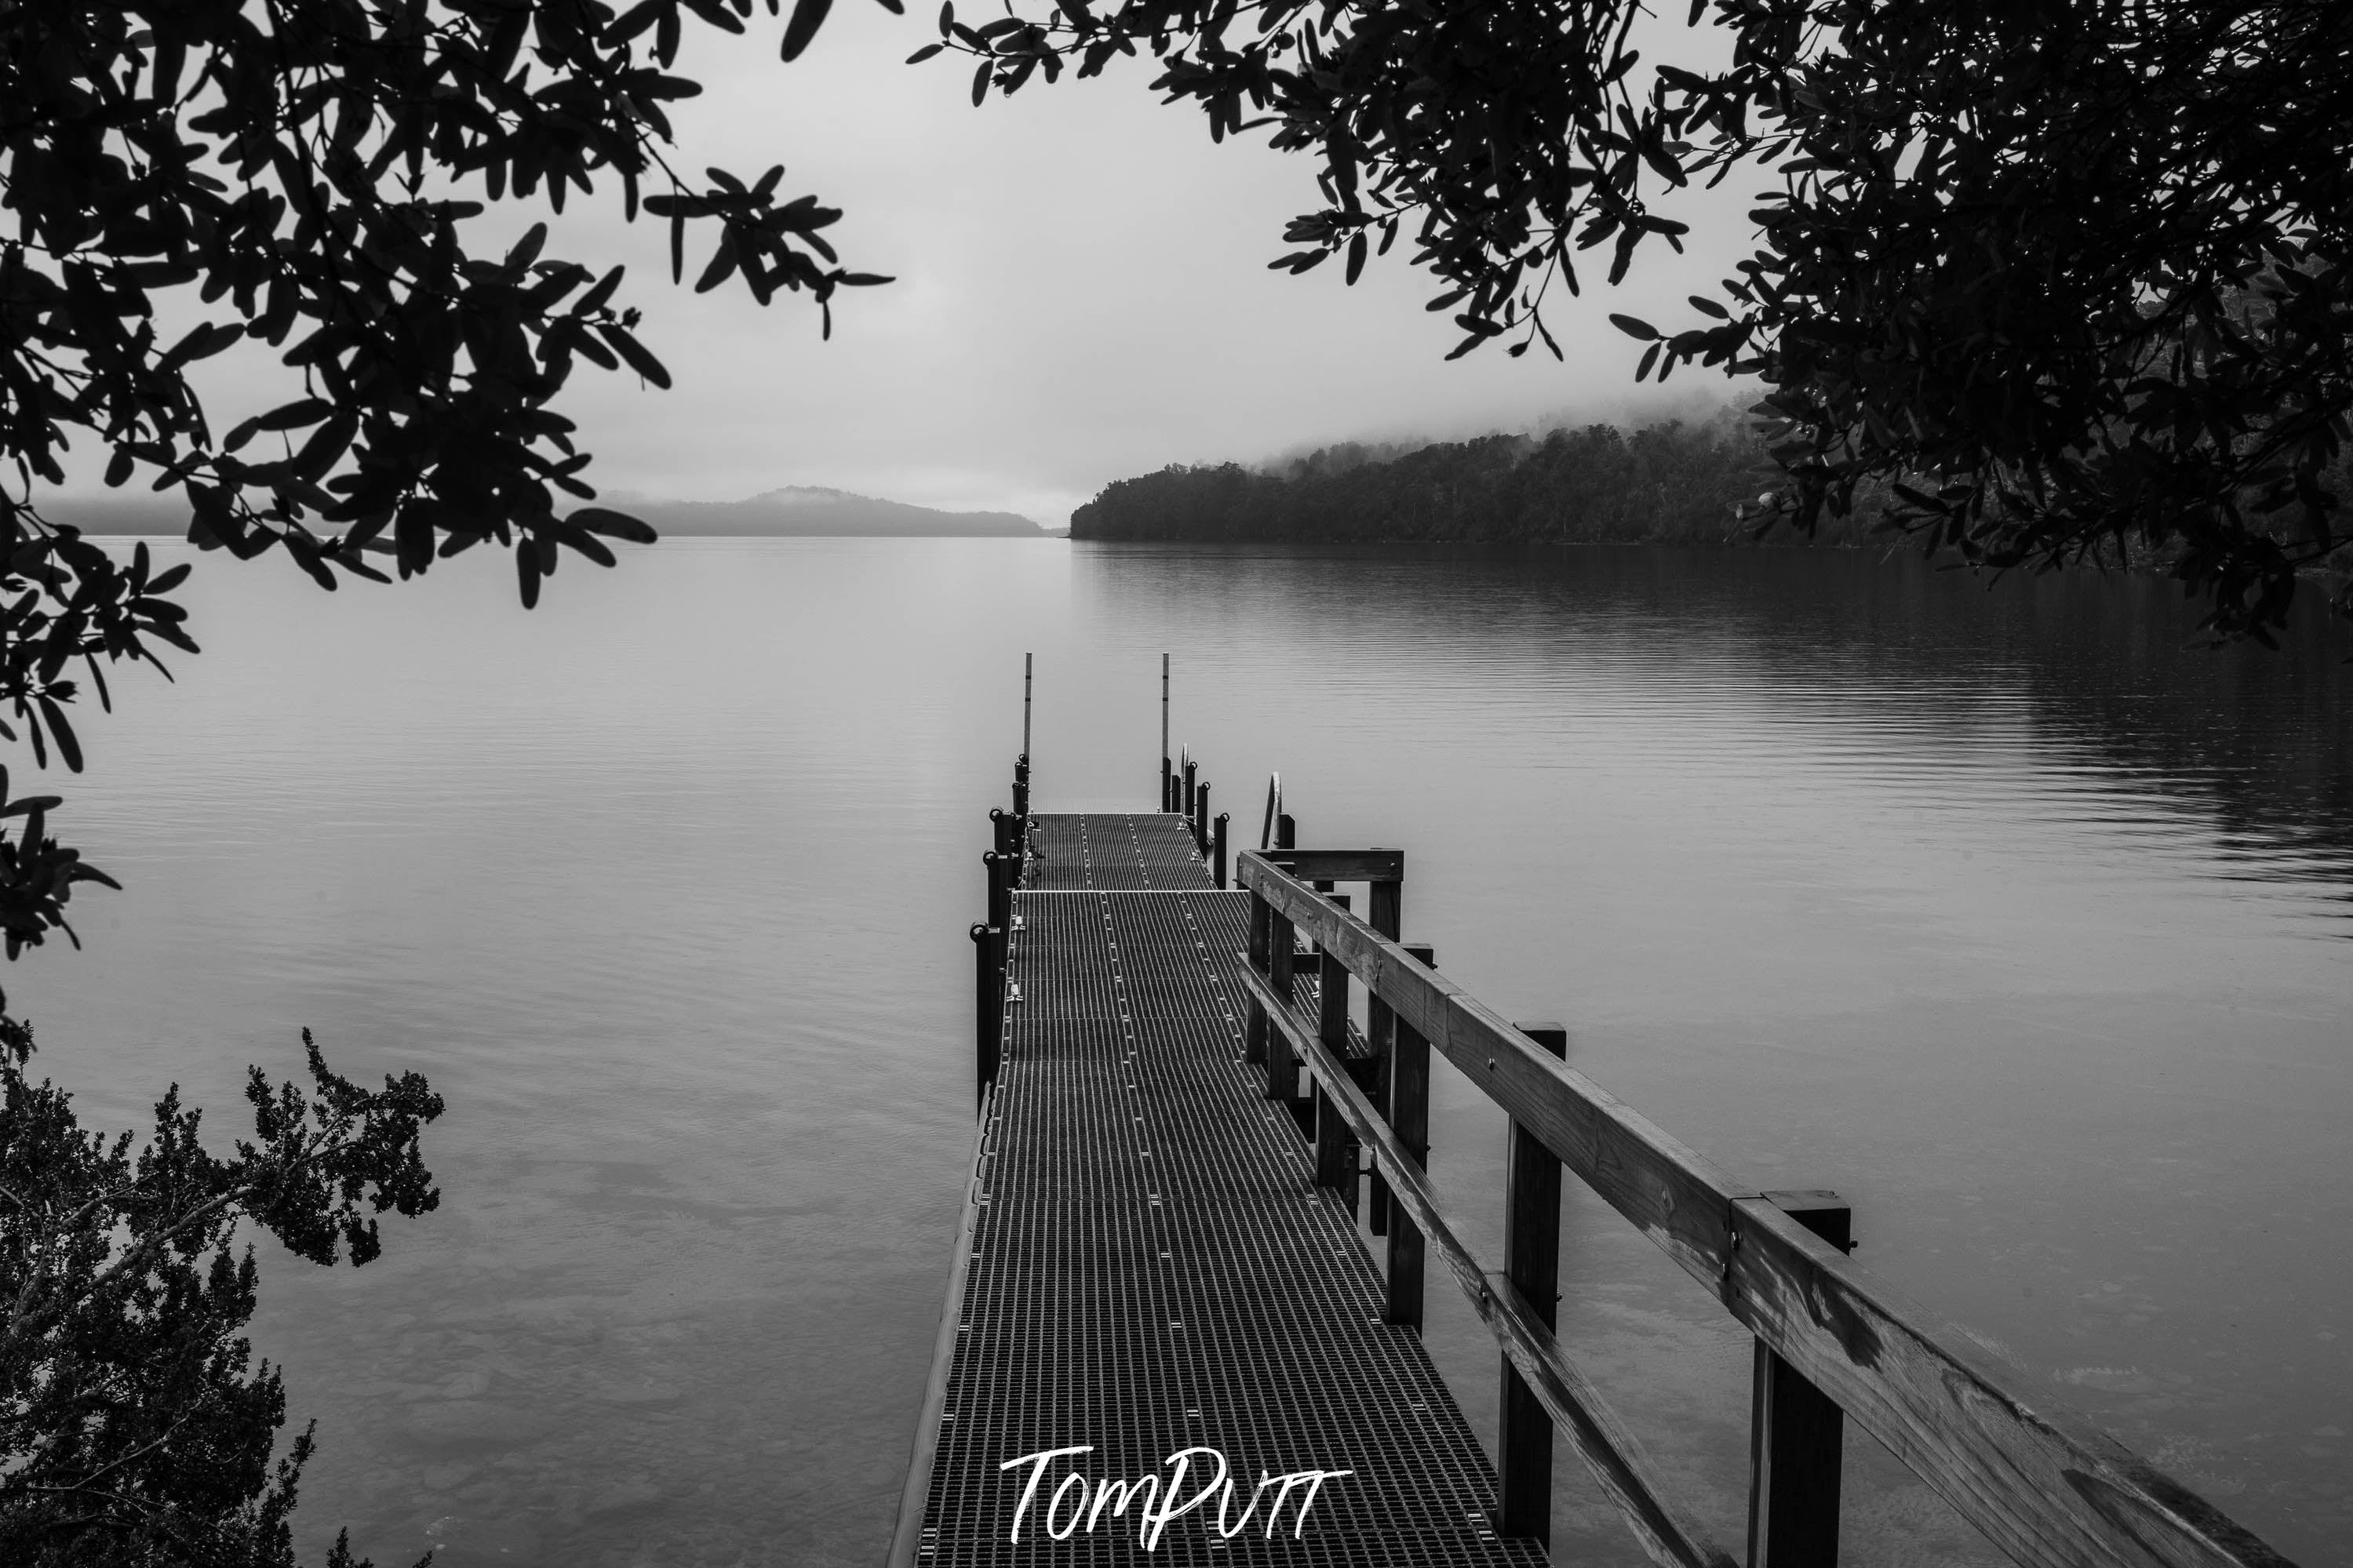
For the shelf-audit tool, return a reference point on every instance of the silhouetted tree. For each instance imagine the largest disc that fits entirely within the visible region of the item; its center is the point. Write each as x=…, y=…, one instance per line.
x=134, y=1426
x=1666, y=483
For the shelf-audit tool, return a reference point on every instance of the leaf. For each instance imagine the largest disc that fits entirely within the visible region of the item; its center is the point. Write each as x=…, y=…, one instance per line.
x=723, y=262
x=594, y=299
x=629, y=348
x=526, y=250
x=588, y=544
x=808, y=16
x=926, y=52
x=612, y=524
x=527, y=573
x=1355, y=258
x=68, y=747
x=1633, y=327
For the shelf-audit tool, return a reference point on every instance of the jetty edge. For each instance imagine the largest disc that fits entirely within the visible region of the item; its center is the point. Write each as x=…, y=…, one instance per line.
x=1179, y=1115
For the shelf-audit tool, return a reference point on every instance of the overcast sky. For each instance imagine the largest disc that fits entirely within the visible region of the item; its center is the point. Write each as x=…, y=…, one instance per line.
x=1081, y=295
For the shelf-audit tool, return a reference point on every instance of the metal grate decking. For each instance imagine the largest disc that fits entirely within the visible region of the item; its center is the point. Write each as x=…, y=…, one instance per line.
x=1108, y=853
x=1153, y=1268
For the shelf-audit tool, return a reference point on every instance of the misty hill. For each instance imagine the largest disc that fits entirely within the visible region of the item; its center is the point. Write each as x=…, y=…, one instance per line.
x=796, y=510
x=806, y=510
x=1667, y=482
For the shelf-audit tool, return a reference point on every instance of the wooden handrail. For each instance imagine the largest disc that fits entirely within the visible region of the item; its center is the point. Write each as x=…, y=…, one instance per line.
x=1607, y=1447
x=1341, y=865
x=2039, y=1479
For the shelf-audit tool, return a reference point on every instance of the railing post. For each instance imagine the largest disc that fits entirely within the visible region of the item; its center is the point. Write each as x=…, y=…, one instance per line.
x=1385, y=915
x=1336, y=1150
x=1190, y=768
x=1281, y=1067
x=1410, y=1120
x=1021, y=784
x=1532, y=1263
x=1261, y=915
x=1167, y=781
x=1218, y=848
x=1286, y=832
x=988, y=1006
x=1796, y=1432
x=1201, y=819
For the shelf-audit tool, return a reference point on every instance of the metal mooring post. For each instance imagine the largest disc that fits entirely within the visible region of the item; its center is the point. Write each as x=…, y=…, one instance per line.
x=1166, y=766
x=1218, y=841
x=988, y=1006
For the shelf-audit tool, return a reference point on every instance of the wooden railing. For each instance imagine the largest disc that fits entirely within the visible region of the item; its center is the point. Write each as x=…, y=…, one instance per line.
x=2040, y=1481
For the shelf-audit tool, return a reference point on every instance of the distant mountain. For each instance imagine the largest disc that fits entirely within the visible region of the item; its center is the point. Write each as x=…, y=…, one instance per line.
x=796, y=510
x=807, y=509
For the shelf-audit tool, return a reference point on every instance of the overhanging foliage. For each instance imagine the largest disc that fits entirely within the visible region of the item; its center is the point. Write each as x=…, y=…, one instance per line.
x=2066, y=271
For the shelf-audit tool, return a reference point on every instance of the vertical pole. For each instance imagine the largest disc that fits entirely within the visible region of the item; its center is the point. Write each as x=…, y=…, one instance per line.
x=1796, y=1432
x=1000, y=891
x=988, y=1006
x=1021, y=790
x=1262, y=946
x=1218, y=849
x=1281, y=1067
x=1201, y=819
x=1190, y=787
x=1029, y=667
x=1286, y=831
x=1410, y=1120
x=1336, y=1151
x=1165, y=772
x=1384, y=916
x=1532, y=1263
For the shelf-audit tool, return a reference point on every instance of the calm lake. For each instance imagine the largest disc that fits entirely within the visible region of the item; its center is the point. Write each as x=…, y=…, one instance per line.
x=2024, y=927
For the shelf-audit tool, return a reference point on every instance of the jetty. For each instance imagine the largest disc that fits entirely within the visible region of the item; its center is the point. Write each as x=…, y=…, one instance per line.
x=1197, y=1071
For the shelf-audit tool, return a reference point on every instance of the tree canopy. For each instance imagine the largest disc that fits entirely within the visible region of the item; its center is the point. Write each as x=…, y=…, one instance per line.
x=1669, y=482
x=134, y=1429
x=2057, y=273
x=306, y=169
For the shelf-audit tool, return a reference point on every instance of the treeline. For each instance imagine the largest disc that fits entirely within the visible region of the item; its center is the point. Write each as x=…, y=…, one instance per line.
x=1667, y=483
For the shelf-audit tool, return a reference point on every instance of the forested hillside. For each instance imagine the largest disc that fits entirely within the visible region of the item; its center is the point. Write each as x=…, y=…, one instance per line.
x=1671, y=482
